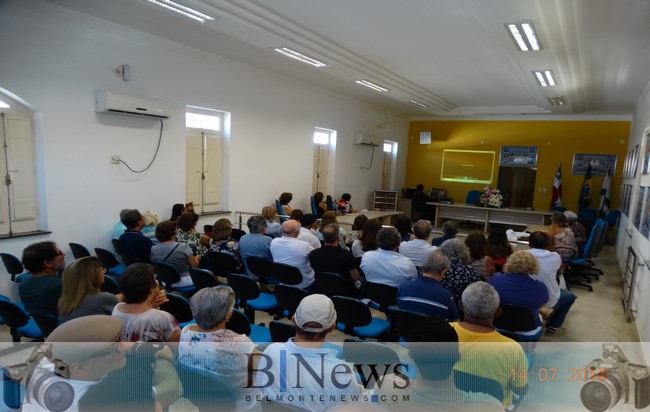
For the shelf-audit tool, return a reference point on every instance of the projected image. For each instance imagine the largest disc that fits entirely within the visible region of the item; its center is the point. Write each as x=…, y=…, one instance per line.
x=468, y=166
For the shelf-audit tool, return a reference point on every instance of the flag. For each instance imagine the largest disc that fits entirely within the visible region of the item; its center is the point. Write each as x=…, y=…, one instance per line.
x=605, y=201
x=556, y=199
x=584, y=200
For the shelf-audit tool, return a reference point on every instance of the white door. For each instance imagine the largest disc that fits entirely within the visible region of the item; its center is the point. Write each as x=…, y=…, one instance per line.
x=194, y=168
x=203, y=171
x=321, y=168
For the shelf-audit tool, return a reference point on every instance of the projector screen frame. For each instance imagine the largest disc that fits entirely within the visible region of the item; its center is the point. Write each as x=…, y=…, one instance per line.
x=463, y=159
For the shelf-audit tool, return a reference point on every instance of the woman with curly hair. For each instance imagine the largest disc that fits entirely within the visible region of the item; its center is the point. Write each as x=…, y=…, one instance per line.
x=460, y=273
x=284, y=200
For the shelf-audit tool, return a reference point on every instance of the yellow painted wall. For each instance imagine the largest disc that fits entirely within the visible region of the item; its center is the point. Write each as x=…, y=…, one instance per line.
x=556, y=142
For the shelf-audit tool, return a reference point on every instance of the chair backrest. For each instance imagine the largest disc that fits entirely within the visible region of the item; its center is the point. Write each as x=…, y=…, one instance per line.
x=202, y=278
x=244, y=287
x=239, y=323
x=207, y=229
x=287, y=274
x=179, y=307
x=116, y=245
x=404, y=321
x=78, y=250
x=592, y=242
x=586, y=213
x=106, y=258
x=223, y=264
x=331, y=283
x=384, y=295
x=473, y=383
x=612, y=218
x=207, y=391
x=110, y=285
x=12, y=264
x=46, y=322
x=281, y=331
x=515, y=319
x=361, y=352
x=260, y=267
x=314, y=208
x=601, y=240
x=167, y=274
x=129, y=260
x=14, y=317
x=472, y=197
x=351, y=312
x=237, y=234
x=278, y=208
x=289, y=297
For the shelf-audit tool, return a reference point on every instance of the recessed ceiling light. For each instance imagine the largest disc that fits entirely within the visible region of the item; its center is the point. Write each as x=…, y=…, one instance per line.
x=300, y=57
x=371, y=85
x=415, y=102
x=545, y=78
x=4, y=105
x=183, y=10
x=557, y=100
x=524, y=35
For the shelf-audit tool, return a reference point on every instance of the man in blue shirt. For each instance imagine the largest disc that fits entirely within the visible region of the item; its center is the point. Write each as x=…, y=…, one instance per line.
x=133, y=242
x=424, y=295
x=40, y=291
x=255, y=242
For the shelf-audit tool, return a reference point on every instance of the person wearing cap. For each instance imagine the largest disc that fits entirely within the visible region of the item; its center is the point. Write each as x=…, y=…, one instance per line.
x=255, y=242
x=291, y=251
x=385, y=265
x=307, y=226
x=289, y=373
x=40, y=291
x=332, y=258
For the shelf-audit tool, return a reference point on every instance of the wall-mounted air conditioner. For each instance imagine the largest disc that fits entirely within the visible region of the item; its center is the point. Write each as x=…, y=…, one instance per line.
x=109, y=102
x=367, y=139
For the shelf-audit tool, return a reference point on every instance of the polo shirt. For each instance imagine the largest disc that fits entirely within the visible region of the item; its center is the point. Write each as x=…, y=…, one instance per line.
x=425, y=296
x=387, y=267
x=135, y=244
x=294, y=252
x=520, y=290
x=417, y=250
x=332, y=259
x=40, y=293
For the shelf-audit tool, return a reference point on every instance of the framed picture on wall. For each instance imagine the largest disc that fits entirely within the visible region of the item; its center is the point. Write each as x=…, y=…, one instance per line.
x=635, y=159
x=645, y=222
x=646, y=158
x=518, y=156
x=600, y=163
x=639, y=208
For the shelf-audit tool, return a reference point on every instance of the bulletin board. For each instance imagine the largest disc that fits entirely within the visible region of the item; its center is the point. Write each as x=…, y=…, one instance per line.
x=600, y=163
x=518, y=156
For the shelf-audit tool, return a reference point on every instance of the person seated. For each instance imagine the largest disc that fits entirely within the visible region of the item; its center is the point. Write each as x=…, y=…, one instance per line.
x=177, y=210
x=357, y=229
x=367, y=240
x=518, y=287
x=119, y=227
x=255, y=242
x=81, y=294
x=321, y=207
x=223, y=242
x=344, y=205
x=177, y=254
x=314, y=319
x=133, y=242
x=564, y=241
x=139, y=313
x=485, y=352
x=419, y=248
x=40, y=291
x=307, y=234
x=291, y=251
x=499, y=247
x=385, y=265
x=460, y=273
x=150, y=223
x=403, y=225
x=332, y=258
x=425, y=295
x=284, y=199
x=273, y=228
x=419, y=202
x=449, y=231
x=329, y=218
x=477, y=245
x=209, y=346
x=186, y=233
x=579, y=230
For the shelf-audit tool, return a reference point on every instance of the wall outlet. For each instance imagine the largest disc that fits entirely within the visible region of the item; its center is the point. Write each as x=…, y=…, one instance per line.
x=115, y=159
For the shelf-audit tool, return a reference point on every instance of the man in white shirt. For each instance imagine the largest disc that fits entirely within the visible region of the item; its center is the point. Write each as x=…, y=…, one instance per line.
x=559, y=300
x=419, y=248
x=385, y=265
x=307, y=223
x=291, y=251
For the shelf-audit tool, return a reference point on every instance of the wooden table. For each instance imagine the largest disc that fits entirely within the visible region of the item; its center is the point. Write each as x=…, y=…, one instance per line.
x=384, y=216
x=514, y=216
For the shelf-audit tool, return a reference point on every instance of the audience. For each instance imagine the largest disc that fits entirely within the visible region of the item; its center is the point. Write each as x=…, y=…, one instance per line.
x=255, y=242
x=315, y=317
x=460, y=273
x=559, y=300
x=328, y=219
x=344, y=205
x=385, y=265
x=80, y=293
x=177, y=210
x=321, y=207
x=179, y=255
x=150, y=223
x=449, y=230
x=209, y=346
x=564, y=241
x=273, y=228
x=284, y=200
x=484, y=351
x=518, y=287
x=477, y=245
x=367, y=240
x=133, y=242
x=40, y=291
x=357, y=229
x=419, y=248
x=425, y=295
x=143, y=322
x=291, y=251
x=498, y=247
x=403, y=225
x=307, y=233
x=186, y=233
x=223, y=242
x=332, y=258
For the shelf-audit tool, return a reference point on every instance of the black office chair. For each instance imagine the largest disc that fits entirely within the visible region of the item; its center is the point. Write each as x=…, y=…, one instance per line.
x=332, y=284
x=403, y=321
x=109, y=262
x=237, y=234
x=517, y=320
x=116, y=246
x=354, y=318
x=207, y=229
x=262, y=268
x=383, y=297
x=168, y=275
x=249, y=297
x=78, y=250
x=207, y=391
x=286, y=274
x=203, y=278
x=288, y=298
x=239, y=323
x=14, y=267
x=179, y=307
x=223, y=264
x=46, y=322
x=281, y=331
x=110, y=285
x=129, y=260
x=19, y=324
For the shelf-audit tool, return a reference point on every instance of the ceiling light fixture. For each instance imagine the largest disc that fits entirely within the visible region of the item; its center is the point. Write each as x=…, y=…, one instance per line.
x=415, y=102
x=545, y=78
x=371, y=85
x=285, y=51
x=183, y=10
x=524, y=35
x=4, y=105
x=557, y=100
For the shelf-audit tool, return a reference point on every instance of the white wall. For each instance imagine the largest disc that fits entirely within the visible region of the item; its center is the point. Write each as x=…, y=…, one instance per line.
x=55, y=58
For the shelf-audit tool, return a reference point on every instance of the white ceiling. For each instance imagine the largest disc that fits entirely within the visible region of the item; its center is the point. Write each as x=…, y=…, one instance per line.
x=455, y=56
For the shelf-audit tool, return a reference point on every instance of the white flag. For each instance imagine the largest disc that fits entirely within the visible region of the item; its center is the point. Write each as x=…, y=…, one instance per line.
x=605, y=201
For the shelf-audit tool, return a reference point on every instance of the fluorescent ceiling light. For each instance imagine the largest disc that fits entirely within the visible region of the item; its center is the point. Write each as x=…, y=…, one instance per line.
x=371, y=85
x=524, y=35
x=415, y=102
x=557, y=100
x=300, y=57
x=545, y=78
x=183, y=10
x=4, y=105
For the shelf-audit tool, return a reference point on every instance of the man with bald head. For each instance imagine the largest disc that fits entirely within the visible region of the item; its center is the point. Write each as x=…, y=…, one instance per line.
x=291, y=251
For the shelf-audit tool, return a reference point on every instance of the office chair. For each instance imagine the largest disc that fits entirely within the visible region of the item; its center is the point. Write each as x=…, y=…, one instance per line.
x=179, y=307
x=473, y=196
x=239, y=323
x=249, y=297
x=78, y=250
x=168, y=275
x=14, y=267
x=354, y=318
x=332, y=284
x=109, y=262
x=203, y=278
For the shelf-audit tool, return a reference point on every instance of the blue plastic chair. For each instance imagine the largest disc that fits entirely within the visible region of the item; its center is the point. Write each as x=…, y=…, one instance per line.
x=168, y=274
x=14, y=267
x=472, y=197
x=239, y=323
x=354, y=318
x=109, y=262
x=249, y=296
x=19, y=324
x=314, y=209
